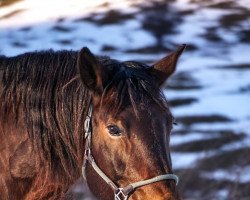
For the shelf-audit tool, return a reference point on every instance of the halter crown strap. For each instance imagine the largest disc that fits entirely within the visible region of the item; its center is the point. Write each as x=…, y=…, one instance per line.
x=120, y=193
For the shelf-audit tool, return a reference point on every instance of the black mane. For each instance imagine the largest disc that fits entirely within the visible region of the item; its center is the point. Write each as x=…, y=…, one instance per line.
x=133, y=84
x=43, y=91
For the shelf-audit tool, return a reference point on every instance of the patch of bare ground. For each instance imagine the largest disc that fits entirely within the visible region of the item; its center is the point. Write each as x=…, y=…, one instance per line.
x=160, y=19
x=158, y=49
x=106, y=4
x=183, y=87
x=19, y=44
x=183, y=81
x=110, y=17
x=108, y=48
x=186, y=12
x=223, y=5
x=244, y=89
x=7, y=2
x=156, y=18
x=191, y=47
x=25, y=29
x=239, y=190
x=211, y=35
x=234, y=19
x=182, y=102
x=244, y=36
x=64, y=41
x=204, y=187
x=208, y=144
x=211, y=132
x=194, y=186
x=149, y=49
x=13, y=13
x=61, y=28
x=242, y=66
x=60, y=20
x=226, y=159
x=196, y=119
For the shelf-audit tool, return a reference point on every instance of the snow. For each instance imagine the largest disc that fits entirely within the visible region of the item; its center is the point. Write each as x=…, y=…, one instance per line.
x=237, y=175
x=36, y=12
x=220, y=87
x=186, y=160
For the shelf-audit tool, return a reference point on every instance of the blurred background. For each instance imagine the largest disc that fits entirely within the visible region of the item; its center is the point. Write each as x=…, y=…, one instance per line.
x=209, y=93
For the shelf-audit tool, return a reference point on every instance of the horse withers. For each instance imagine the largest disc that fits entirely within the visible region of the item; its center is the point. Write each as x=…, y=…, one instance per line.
x=66, y=113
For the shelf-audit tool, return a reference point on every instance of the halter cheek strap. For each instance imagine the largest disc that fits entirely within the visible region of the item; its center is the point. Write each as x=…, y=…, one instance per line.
x=120, y=193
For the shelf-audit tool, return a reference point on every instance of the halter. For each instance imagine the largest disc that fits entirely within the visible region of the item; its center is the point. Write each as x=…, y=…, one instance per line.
x=120, y=193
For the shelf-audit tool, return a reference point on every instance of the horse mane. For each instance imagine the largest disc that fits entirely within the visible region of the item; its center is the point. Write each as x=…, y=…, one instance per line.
x=43, y=91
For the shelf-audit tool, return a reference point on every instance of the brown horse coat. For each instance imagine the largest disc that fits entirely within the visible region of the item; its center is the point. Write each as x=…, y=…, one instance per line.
x=43, y=103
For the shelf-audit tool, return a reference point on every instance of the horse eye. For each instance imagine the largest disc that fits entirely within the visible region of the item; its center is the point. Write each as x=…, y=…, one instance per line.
x=114, y=130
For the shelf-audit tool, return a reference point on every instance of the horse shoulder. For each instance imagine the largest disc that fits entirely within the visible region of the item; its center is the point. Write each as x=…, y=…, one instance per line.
x=23, y=163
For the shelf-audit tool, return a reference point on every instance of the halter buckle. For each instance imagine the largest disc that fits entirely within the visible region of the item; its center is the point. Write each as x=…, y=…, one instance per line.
x=87, y=126
x=119, y=194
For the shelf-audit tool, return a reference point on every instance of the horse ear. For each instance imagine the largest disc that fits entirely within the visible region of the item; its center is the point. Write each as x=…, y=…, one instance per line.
x=91, y=71
x=165, y=67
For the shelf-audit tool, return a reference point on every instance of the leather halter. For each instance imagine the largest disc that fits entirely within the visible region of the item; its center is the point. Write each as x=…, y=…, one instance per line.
x=120, y=193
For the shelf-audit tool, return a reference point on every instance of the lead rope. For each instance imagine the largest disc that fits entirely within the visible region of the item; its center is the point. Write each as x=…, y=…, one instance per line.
x=119, y=193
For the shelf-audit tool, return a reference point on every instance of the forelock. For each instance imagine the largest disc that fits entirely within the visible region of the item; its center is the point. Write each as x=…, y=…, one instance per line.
x=132, y=85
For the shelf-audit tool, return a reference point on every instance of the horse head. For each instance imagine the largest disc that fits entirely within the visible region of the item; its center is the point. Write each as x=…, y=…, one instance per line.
x=130, y=128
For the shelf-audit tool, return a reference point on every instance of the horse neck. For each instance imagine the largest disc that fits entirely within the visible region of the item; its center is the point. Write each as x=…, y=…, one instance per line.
x=53, y=117
x=2, y=59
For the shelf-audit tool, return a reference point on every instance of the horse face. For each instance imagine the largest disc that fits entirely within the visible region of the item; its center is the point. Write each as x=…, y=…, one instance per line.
x=131, y=124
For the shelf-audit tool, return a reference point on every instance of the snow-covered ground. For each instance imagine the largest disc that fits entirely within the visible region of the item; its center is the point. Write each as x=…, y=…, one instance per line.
x=214, y=71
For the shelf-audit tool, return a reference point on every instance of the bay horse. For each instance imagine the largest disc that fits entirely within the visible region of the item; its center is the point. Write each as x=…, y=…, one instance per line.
x=63, y=113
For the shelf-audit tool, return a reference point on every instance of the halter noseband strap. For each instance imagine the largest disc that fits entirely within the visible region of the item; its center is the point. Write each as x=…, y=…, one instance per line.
x=120, y=193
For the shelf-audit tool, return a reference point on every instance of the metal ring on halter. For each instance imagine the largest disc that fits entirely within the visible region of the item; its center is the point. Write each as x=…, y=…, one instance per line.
x=87, y=125
x=119, y=195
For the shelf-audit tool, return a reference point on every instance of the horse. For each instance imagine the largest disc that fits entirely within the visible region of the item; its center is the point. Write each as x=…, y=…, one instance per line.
x=68, y=113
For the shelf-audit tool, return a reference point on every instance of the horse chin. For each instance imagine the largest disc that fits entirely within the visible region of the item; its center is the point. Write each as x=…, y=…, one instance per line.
x=97, y=186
